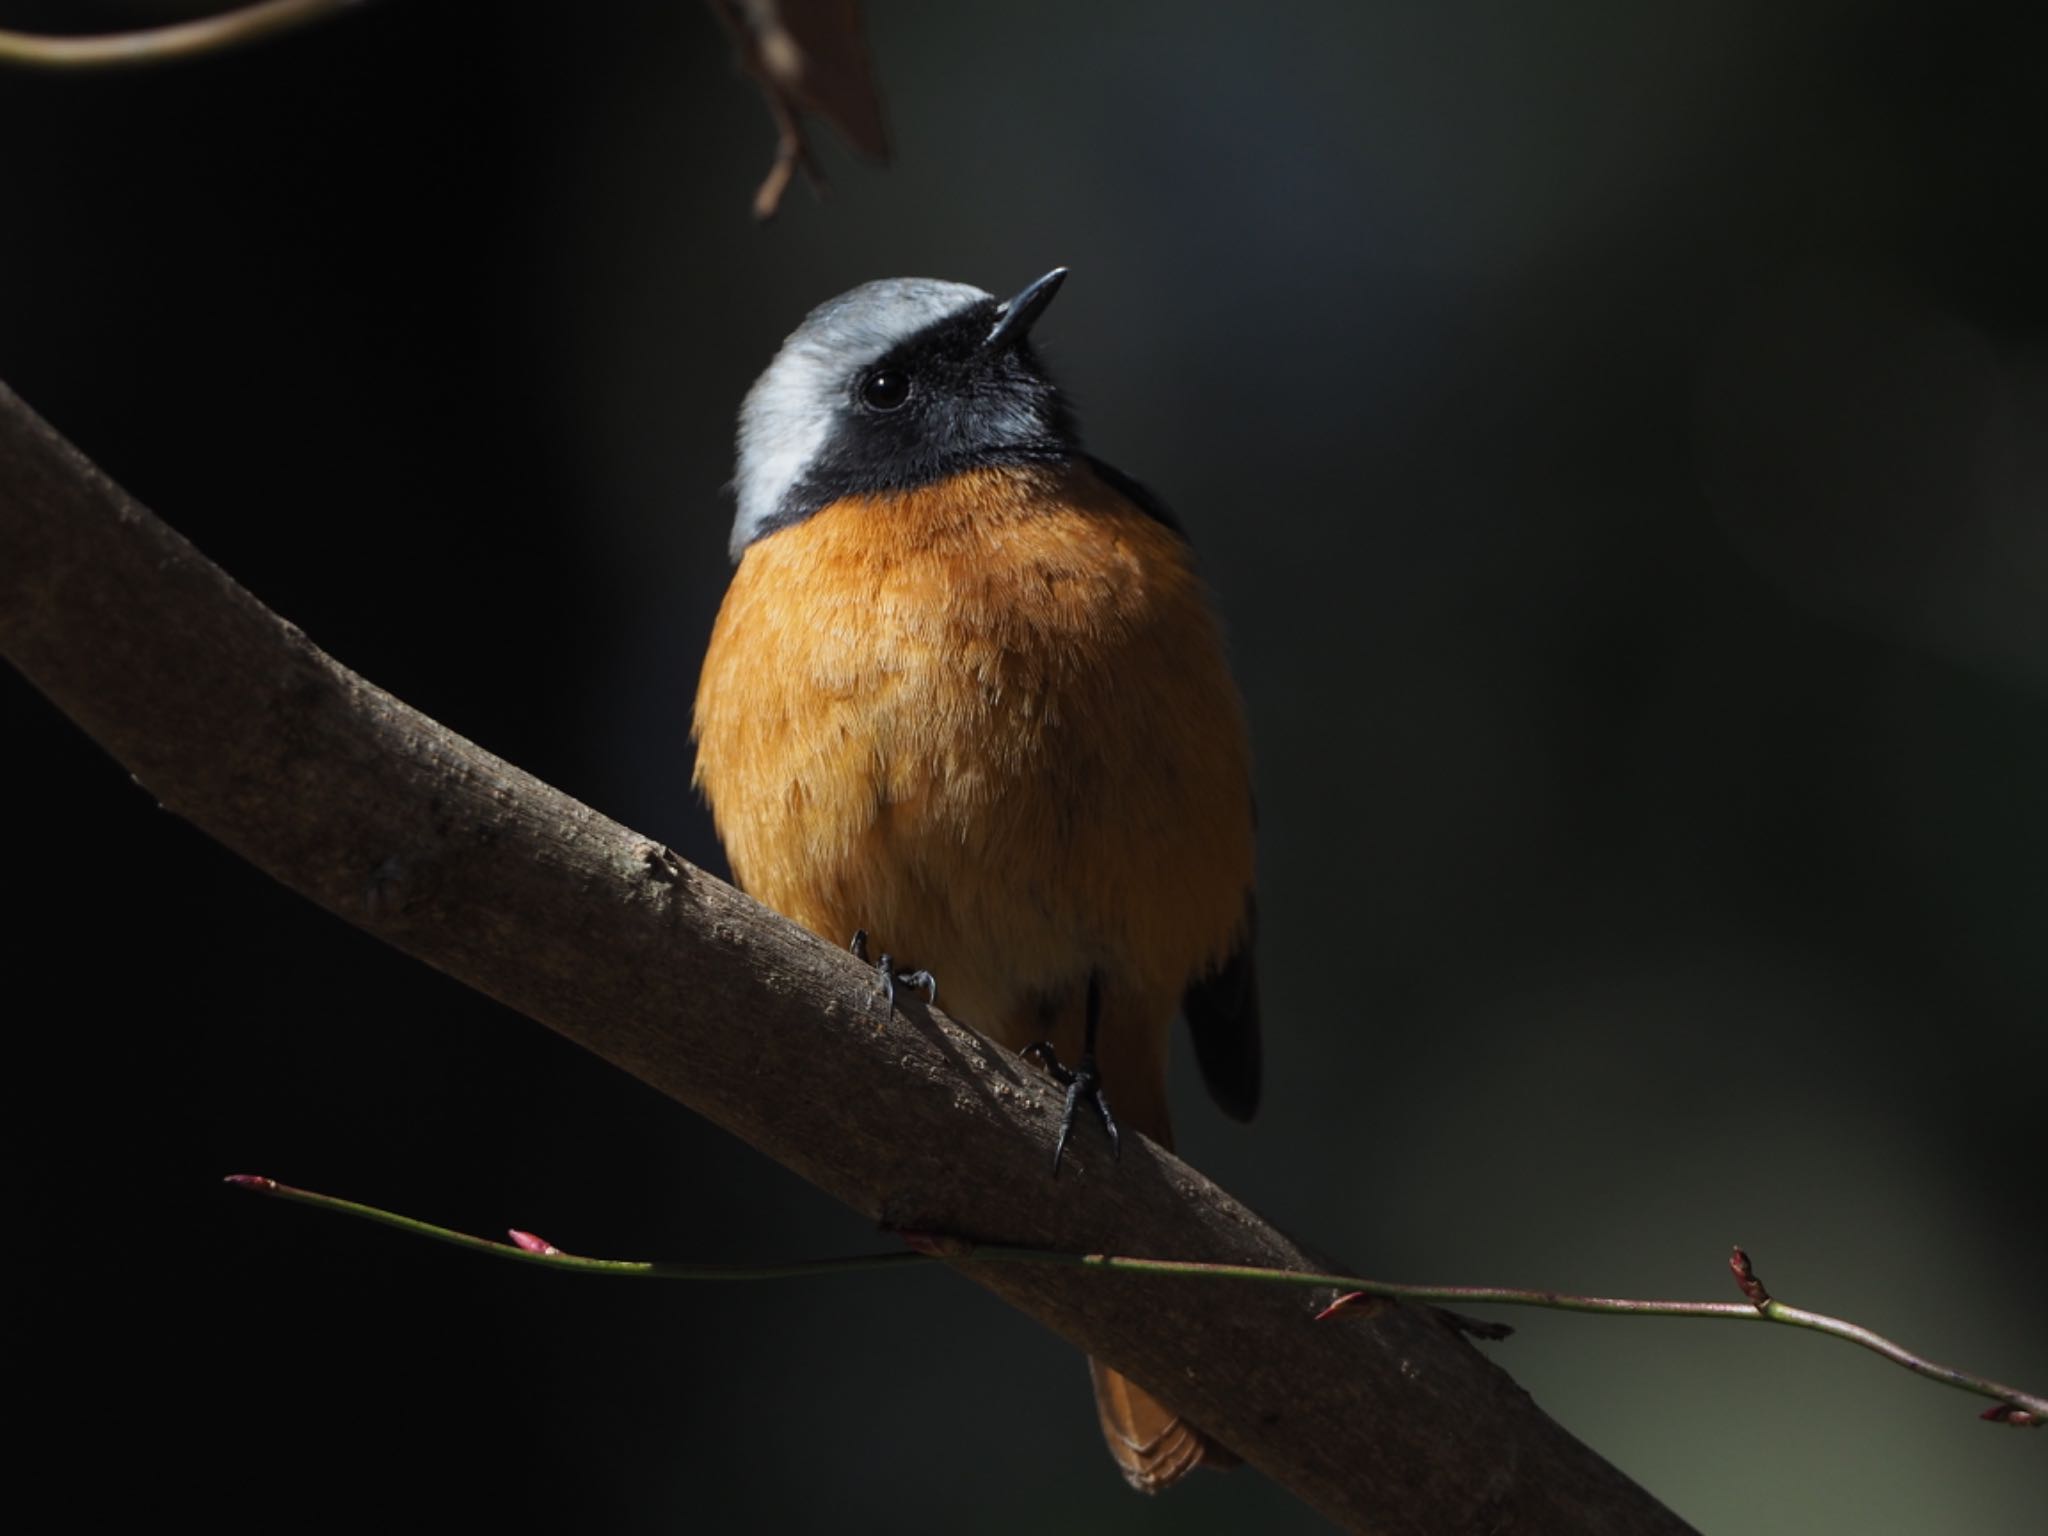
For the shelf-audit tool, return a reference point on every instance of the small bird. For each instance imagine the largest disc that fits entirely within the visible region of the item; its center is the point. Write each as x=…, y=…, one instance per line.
x=966, y=705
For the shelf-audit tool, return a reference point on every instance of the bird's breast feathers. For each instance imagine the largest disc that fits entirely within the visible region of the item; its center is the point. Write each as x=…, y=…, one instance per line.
x=989, y=720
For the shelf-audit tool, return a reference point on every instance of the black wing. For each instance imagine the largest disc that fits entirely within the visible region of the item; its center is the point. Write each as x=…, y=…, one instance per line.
x=1222, y=1010
x=1137, y=493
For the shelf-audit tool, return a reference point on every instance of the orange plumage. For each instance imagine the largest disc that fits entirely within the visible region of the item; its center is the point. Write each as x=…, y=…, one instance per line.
x=990, y=722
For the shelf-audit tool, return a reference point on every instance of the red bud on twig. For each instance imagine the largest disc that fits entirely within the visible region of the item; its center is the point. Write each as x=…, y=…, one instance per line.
x=1745, y=1276
x=2005, y=1413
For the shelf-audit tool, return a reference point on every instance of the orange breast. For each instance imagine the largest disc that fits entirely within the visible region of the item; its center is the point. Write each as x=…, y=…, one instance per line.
x=989, y=721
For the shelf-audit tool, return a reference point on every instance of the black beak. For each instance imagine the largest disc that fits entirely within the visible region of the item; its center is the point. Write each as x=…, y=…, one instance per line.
x=1015, y=319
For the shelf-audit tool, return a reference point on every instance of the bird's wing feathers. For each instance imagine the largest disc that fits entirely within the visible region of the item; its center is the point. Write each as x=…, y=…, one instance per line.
x=1222, y=1010
x=1137, y=493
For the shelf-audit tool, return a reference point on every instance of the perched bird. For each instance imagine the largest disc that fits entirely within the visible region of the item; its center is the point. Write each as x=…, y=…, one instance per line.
x=967, y=706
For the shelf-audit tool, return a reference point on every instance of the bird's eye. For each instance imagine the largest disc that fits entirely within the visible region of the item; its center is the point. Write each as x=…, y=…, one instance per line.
x=885, y=389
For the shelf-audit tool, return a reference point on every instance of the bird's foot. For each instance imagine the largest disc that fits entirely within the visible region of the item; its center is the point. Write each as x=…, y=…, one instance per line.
x=1083, y=1082
x=891, y=978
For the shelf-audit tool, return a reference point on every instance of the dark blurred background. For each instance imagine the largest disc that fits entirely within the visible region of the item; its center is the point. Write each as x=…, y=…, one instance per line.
x=1618, y=440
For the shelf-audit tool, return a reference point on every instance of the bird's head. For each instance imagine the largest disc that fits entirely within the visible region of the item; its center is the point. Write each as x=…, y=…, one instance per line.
x=893, y=385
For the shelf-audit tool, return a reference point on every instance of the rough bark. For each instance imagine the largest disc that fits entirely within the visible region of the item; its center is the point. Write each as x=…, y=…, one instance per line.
x=235, y=721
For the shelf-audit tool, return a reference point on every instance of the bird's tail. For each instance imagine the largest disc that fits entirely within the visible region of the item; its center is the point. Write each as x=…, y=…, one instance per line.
x=1153, y=1446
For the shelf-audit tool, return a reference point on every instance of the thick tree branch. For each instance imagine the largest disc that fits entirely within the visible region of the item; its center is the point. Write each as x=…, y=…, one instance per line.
x=238, y=723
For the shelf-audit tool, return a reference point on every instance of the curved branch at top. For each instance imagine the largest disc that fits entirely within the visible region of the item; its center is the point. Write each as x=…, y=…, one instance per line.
x=158, y=45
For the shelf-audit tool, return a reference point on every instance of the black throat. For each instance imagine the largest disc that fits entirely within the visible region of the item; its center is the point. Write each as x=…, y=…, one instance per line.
x=969, y=406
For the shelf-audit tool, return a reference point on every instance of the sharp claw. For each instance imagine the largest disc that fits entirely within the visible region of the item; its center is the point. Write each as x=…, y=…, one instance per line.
x=1059, y=1142
x=885, y=969
x=1088, y=1085
x=1081, y=1082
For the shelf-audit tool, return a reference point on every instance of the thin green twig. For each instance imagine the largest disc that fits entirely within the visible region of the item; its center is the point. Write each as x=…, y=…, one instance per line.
x=2014, y=1406
x=525, y=1248
x=155, y=45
